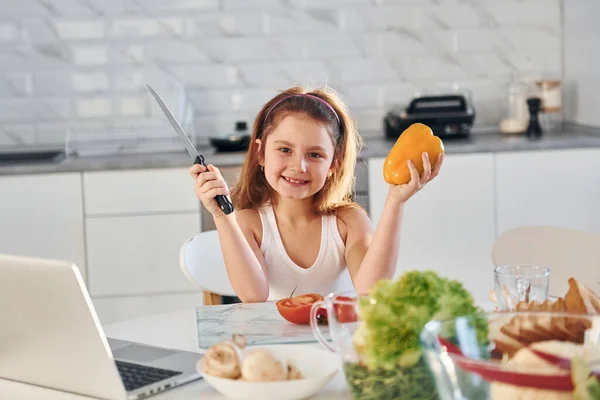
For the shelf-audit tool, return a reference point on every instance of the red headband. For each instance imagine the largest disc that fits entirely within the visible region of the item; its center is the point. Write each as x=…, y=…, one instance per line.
x=304, y=95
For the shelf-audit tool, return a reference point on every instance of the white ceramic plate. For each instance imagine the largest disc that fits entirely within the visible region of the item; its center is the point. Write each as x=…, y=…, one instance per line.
x=318, y=366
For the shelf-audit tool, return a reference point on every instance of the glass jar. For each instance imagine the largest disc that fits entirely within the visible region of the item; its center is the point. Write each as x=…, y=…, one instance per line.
x=517, y=101
x=551, y=95
x=517, y=113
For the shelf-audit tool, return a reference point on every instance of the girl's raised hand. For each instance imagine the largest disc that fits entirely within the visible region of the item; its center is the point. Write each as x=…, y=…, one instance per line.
x=209, y=184
x=404, y=192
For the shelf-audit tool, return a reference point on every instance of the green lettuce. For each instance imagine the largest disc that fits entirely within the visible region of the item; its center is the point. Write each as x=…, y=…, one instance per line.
x=456, y=301
x=395, y=312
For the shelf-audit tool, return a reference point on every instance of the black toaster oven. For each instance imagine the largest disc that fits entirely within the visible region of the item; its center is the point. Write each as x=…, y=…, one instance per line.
x=448, y=116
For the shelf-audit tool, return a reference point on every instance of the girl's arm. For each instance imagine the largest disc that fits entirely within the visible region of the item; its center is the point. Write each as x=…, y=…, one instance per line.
x=244, y=261
x=371, y=257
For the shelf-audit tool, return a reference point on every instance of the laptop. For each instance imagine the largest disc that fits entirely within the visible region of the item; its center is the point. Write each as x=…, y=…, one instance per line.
x=50, y=336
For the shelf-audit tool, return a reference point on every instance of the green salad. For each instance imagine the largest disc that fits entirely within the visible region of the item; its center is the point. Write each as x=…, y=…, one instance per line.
x=391, y=363
x=587, y=386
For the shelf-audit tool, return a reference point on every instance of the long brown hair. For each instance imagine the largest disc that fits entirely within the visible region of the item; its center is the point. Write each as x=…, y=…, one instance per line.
x=253, y=190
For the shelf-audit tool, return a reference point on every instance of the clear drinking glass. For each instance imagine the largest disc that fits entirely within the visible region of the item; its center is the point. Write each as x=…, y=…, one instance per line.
x=520, y=283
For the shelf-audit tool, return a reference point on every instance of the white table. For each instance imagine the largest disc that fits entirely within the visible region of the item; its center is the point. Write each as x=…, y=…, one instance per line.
x=175, y=330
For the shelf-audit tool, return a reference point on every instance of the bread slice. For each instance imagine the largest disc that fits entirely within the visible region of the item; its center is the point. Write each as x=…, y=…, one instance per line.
x=528, y=324
x=544, y=323
x=527, y=329
x=580, y=300
x=504, y=344
x=517, y=329
x=523, y=330
x=559, y=324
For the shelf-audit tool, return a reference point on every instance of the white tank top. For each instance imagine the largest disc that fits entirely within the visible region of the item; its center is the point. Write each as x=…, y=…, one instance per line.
x=327, y=274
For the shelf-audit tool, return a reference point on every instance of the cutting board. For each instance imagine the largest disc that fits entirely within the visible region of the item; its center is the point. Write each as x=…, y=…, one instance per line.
x=259, y=323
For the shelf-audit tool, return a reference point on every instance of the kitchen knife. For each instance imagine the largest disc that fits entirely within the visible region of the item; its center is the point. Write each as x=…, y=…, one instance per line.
x=223, y=201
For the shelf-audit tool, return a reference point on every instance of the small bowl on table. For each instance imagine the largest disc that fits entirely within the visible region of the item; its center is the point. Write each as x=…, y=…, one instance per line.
x=318, y=366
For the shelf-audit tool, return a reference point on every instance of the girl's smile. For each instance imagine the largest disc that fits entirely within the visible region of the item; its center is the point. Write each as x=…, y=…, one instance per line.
x=295, y=182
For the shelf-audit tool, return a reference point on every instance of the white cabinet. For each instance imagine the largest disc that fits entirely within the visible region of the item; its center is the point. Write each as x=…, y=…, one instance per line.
x=135, y=255
x=558, y=187
x=136, y=223
x=42, y=216
x=448, y=227
x=145, y=191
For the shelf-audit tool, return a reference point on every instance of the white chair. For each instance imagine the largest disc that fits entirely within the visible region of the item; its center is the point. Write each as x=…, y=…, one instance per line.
x=201, y=261
x=567, y=252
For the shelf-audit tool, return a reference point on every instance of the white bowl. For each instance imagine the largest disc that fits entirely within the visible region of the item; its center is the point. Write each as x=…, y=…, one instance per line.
x=317, y=365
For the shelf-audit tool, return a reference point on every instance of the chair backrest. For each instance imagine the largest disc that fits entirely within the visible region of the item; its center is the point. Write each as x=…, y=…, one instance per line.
x=567, y=252
x=201, y=261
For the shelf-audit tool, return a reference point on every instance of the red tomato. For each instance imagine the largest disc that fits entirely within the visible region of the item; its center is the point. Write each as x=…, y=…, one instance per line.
x=297, y=309
x=344, y=312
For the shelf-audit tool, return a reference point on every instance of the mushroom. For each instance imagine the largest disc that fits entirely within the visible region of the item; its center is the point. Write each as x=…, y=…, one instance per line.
x=293, y=371
x=262, y=366
x=239, y=340
x=224, y=359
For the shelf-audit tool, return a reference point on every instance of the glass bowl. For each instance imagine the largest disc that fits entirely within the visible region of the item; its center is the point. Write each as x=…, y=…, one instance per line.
x=411, y=382
x=515, y=355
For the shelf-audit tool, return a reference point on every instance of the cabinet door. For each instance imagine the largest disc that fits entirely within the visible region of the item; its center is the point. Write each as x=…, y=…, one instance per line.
x=146, y=191
x=558, y=188
x=137, y=255
x=448, y=226
x=42, y=216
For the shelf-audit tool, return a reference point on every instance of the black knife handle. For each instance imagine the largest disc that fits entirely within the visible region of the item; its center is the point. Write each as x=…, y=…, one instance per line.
x=222, y=201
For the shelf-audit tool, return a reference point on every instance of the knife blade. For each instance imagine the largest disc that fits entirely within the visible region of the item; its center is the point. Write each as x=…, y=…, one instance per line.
x=222, y=201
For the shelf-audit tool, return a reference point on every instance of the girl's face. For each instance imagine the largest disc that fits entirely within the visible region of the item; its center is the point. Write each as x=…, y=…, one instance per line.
x=298, y=157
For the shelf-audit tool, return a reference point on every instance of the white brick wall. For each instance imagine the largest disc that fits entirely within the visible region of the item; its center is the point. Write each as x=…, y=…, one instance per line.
x=82, y=62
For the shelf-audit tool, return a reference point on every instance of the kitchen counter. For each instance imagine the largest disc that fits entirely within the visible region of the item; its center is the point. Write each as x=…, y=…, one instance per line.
x=570, y=137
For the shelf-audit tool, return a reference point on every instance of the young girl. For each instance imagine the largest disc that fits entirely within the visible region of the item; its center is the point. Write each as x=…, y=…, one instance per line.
x=295, y=226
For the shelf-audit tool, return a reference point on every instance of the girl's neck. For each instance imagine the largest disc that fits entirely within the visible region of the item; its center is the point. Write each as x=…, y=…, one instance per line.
x=296, y=211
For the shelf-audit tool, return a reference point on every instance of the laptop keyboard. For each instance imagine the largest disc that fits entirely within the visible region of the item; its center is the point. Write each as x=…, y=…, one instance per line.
x=135, y=376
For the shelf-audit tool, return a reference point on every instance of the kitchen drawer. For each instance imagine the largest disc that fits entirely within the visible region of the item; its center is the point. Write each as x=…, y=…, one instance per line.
x=138, y=255
x=139, y=192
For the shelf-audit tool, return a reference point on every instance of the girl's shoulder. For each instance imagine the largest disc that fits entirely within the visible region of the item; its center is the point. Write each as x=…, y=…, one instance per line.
x=351, y=213
x=248, y=217
x=249, y=221
x=351, y=219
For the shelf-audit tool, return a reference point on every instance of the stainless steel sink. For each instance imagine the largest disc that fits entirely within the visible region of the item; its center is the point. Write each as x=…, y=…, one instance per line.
x=31, y=156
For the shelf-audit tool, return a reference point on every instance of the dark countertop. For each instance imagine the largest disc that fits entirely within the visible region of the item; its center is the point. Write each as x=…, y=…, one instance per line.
x=569, y=138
